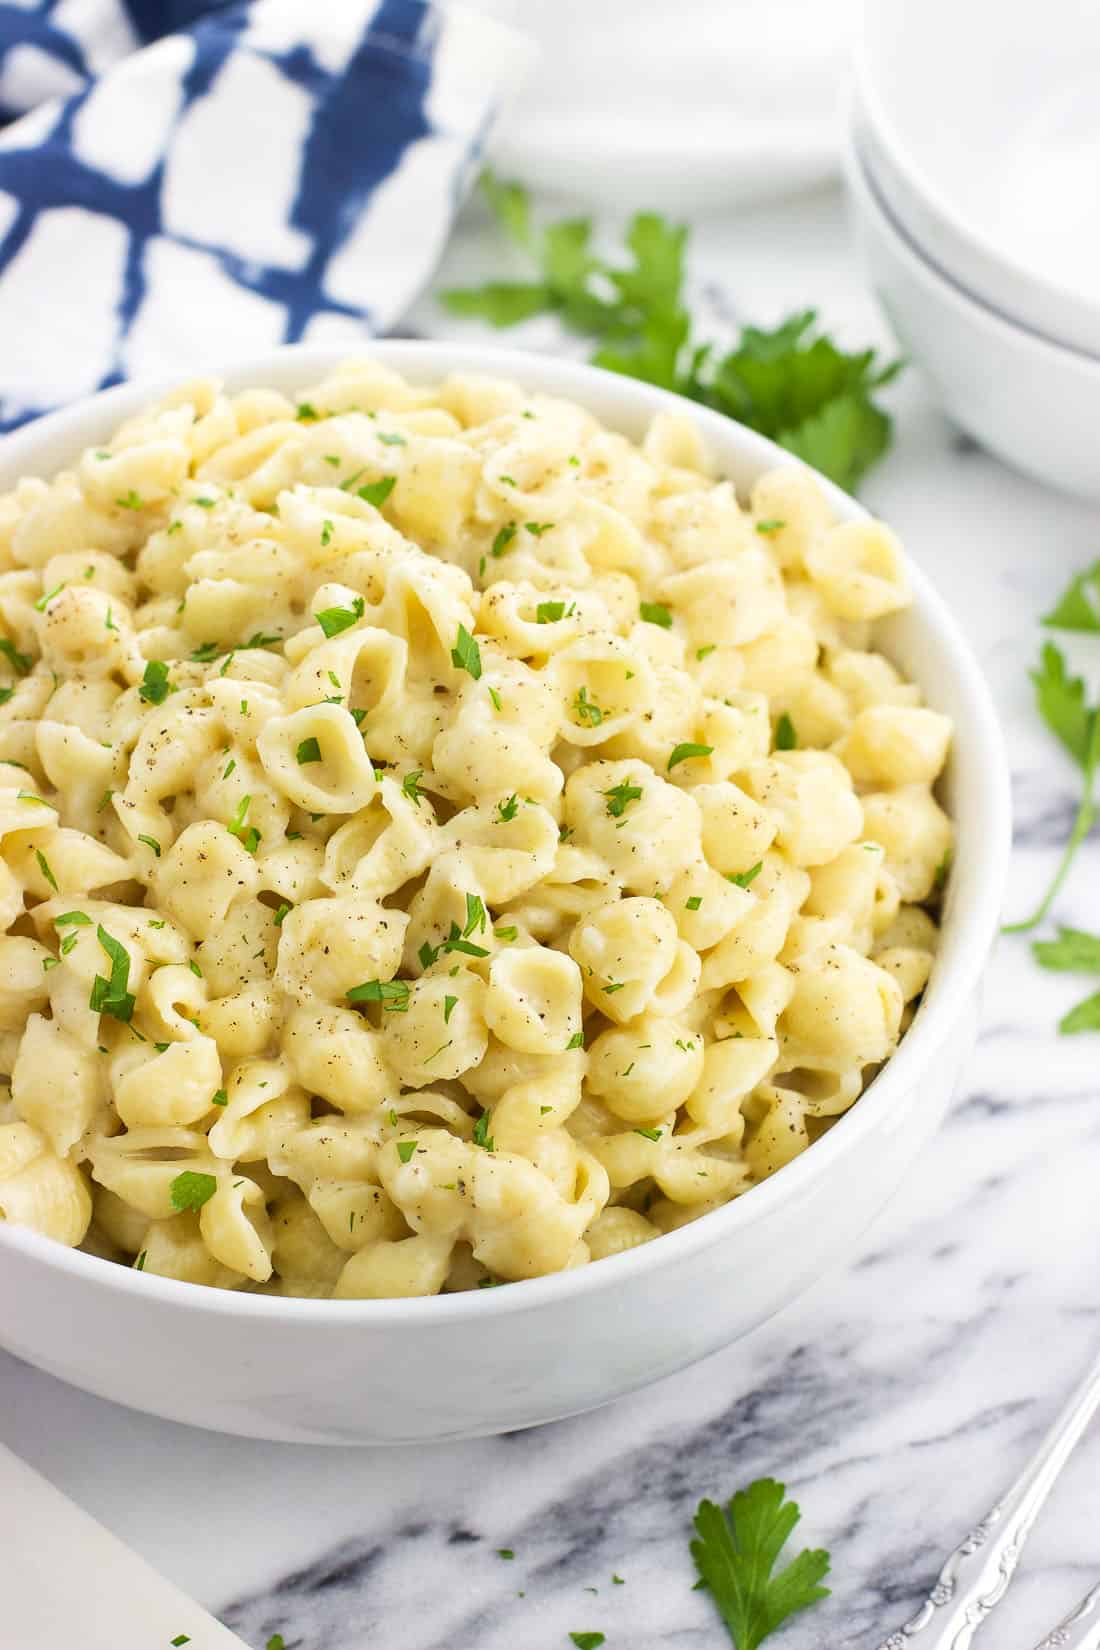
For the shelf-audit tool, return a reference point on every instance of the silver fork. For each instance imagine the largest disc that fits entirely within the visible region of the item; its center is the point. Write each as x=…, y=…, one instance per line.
x=976, y=1576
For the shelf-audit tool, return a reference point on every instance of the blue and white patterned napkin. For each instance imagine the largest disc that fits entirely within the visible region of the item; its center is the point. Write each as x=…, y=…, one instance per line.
x=269, y=171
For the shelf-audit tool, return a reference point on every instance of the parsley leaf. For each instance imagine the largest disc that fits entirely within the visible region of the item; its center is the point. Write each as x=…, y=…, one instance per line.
x=786, y=738
x=744, y=879
x=466, y=655
x=1062, y=705
x=1078, y=608
x=155, y=687
x=503, y=540
x=392, y=994
x=410, y=785
x=482, y=1137
x=333, y=620
x=736, y=1552
x=507, y=809
x=19, y=662
x=588, y=1641
x=377, y=492
x=405, y=1149
x=1085, y=1017
x=110, y=996
x=620, y=796
x=308, y=751
x=792, y=383
x=685, y=752
x=656, y=613
x=44, y=867
x=190, y=1190
x=1073, y=952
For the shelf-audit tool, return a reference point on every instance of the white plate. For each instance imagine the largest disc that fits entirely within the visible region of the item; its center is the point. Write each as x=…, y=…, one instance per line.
x=979, y=125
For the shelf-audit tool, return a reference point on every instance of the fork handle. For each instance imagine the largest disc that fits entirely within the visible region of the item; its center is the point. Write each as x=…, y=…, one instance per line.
x=1081, y=1628
x=976, y=1575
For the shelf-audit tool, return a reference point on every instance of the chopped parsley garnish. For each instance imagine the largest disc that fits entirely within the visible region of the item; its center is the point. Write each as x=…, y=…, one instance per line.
x=155, y=686
x=392, y=994
x=508, y=809
x=448, y=1009
x=576, y=1041
x=219, y=1098
x=428, y=954
x=587, y=1641
x=744, y=879
x=204, y=654
x=650, y=1134
x=466, y=655
x=586, y=710
x=307, y=412
x=405, y=1149
x=736, y=1551
x=248, y=836
x=50, y=962
x=503, y=539
x=505, y=1552
x=308, y=751
x=151, y=842
x=767, y=527
x=701, y=652
x=377, y=492
x=538, y=528
x=194, y=967
x=410, y=785
x=204, y=503
x=110, y=996
x=482, y=1137
x=72, y=919
x=131, y=501
x=498, y=703
x=6, y=693
x=694, y=902
x=391, y=438
x=282, y=911
x=506, y=933
x=476, y=918
x=551, y=612
x=685, y=752
x=43, y=602
x=20, y=662
x=44, y=867
x=139, y=1264
x=619, y=798
x=655, y=613
x=229, y=766
x=333, y=620
x=326, y=533
x=29, y=796
x=457, y=941
x=786, y=738
x=190, y=1190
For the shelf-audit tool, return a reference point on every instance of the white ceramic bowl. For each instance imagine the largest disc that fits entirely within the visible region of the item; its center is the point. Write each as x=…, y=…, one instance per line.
x=488, y=1361
x=1034, y=403
x=978, y=125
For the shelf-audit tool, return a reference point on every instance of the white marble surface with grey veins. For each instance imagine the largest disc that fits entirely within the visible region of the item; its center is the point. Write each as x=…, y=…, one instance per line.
x=895, y=1399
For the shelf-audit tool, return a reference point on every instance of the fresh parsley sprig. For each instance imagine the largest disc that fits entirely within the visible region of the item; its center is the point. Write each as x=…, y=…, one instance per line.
x=1064, y=708
x=736, y=1552
x=791, y=383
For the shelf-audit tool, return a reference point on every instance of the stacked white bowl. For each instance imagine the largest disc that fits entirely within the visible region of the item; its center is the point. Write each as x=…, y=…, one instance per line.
x=974, y=172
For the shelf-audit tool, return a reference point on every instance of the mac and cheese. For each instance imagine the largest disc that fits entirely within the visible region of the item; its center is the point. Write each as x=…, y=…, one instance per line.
x=443, y=842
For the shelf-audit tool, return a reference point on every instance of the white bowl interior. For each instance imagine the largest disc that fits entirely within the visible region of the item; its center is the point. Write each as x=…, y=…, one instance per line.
x=925, y=641
x=989, y=114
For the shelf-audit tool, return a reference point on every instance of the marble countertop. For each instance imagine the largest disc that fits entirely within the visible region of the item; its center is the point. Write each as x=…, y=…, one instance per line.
x=895, y=1400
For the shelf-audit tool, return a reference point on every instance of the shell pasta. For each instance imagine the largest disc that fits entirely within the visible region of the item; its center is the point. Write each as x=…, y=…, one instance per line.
x=442, y=842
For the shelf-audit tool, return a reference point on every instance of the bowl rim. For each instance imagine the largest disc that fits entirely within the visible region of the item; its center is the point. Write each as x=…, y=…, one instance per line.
x=885, y=134
x=975, y=310
x=971, y=930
